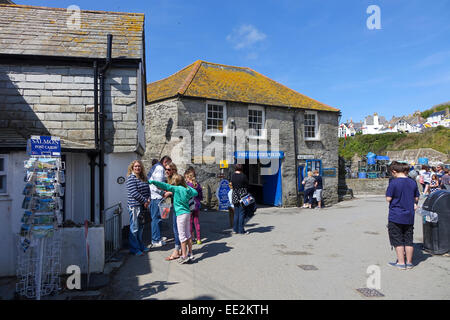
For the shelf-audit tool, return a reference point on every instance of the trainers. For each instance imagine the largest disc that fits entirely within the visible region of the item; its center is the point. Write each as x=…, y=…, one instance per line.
x=158, y=244
x=199, y=242
x=397, y=265
x=191, y=256
x=139, y=253
x=409, y=266
x=182, y=260
x=146, y=250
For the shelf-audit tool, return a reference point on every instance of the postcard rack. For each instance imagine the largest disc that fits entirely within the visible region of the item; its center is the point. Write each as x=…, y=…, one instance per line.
x=39, y=245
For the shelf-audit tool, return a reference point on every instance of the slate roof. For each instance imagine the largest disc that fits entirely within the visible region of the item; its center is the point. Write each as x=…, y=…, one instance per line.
x=31, y=30
x=228, y=83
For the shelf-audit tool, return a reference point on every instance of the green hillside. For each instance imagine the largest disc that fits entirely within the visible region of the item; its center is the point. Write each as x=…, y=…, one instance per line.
x=425, y=114
x=436, y=138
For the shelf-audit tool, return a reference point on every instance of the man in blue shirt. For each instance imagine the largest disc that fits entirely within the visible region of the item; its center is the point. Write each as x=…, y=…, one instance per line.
x=403, y=196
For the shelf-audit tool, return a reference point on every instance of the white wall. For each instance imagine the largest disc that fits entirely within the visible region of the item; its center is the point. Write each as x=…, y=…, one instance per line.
x=11, y=213
x=116, y=166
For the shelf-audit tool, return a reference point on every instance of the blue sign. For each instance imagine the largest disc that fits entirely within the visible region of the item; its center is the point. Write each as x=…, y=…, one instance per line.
x=259, y=154
x=222, y=195
x=44, y=146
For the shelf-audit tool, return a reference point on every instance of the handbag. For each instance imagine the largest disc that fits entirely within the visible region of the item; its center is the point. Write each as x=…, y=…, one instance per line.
x=192, y=204
x=247, y=200
x=164, y=209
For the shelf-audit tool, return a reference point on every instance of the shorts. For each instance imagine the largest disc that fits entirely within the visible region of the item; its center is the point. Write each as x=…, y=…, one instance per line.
x=318, y=194
x=400, y=234
x=183, y=225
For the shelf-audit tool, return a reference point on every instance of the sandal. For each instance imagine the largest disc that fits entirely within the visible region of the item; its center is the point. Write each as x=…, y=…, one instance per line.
x=170, y=258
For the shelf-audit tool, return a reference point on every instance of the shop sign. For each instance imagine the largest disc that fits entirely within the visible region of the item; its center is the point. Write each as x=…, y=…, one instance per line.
x=305, y=156
x=222, y=195
x=329, y=172
x=259, y=154
x=44, y=146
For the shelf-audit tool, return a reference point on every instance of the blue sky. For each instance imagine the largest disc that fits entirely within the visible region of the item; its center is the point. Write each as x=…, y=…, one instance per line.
x=322, y=49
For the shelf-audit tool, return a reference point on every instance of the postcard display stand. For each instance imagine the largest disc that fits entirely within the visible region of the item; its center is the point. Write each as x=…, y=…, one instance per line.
x=39, y=247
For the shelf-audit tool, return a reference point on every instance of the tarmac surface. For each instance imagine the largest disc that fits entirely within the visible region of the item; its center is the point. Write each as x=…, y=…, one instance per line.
x=289, y=254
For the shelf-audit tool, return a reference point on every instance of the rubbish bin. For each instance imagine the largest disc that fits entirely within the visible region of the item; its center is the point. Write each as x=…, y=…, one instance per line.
x=436, y=222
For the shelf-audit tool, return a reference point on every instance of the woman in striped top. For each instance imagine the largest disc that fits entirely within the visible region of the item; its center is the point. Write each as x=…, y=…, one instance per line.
x=138, y=200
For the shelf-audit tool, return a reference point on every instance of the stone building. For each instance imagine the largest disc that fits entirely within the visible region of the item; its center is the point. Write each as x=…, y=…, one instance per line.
x=49, y=87
x=209, y=113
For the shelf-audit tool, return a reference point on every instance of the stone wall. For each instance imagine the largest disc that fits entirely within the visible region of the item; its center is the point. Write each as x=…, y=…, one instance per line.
x=185, y=111
x=368, y=186
x=59, y=101
x=413, y=155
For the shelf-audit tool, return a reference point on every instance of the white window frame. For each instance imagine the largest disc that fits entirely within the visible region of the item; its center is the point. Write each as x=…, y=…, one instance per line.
x=4, y=172
x=210, y=132
x=316, y=127
x=263, y=126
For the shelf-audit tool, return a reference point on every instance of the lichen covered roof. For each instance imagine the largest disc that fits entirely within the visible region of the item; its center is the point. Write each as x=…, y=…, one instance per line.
x=228, y=83
x=31, y=30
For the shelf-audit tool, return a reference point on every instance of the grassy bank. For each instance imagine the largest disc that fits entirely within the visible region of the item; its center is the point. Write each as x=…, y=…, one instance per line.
x=436, y=138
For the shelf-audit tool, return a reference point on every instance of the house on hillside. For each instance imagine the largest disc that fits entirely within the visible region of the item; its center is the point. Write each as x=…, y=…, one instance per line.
x=245, y=117
x=349, y=129
x=411, y=123
x=439, y=118
x=373, y=124
x=56, y=80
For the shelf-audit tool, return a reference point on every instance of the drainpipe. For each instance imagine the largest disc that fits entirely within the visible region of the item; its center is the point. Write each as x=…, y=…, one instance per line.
x=102, y=128
x=294, y=118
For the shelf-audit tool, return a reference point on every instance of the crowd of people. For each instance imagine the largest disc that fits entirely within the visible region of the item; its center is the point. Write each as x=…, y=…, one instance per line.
x=163, y=184
x=432, y=178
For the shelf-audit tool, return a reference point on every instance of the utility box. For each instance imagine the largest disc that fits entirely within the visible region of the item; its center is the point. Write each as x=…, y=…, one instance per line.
x=436, y=222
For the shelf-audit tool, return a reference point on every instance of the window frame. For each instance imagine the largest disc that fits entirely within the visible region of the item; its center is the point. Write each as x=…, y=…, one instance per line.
x=316, y=126
x=210, y=132
x=4, y=173
x=263, y=122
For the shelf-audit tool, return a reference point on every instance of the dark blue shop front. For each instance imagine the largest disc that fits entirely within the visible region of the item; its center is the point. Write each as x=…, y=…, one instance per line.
x=264, y=176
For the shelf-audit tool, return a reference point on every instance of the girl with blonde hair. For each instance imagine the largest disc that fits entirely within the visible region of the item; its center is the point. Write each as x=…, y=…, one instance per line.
x=182, y=193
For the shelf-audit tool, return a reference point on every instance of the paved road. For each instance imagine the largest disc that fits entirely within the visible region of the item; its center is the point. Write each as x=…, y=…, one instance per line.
x=341, y=242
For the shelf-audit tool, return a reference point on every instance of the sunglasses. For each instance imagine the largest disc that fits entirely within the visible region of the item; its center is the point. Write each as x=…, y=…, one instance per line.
x=168, y=169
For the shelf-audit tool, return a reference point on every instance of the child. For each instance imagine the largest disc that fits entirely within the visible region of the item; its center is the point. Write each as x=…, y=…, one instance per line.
x=181, y=195
x=191, y=181
x=231, y=207
x=403, y=196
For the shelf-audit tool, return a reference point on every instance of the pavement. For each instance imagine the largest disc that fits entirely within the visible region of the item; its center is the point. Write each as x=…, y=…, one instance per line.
x=289, y=254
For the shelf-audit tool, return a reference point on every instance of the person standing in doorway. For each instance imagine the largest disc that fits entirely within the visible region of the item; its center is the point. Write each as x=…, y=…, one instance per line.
x=240, y=188
x=318, y=185
x=308, y=182
x=157, y=195
x=138, y=201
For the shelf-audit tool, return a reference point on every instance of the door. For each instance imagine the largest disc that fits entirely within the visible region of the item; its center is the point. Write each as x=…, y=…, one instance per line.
x=272, y=192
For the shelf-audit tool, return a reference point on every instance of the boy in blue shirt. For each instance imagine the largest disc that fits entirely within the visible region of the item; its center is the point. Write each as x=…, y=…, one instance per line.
x=403, y=197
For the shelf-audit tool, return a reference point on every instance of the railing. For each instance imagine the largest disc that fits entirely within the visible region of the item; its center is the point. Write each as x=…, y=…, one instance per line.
x=113, y=230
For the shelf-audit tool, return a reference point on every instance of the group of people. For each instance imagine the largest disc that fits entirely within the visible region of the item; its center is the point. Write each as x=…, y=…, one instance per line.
x=403, y=195
x=146, y=192
x=433, y=178
x=313, y=187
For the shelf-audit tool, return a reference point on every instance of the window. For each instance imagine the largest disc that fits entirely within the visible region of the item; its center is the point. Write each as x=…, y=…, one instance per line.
x=256, y=119
x=216, y=117
x=3, y=170
x=311, y=125
x=254, y=174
